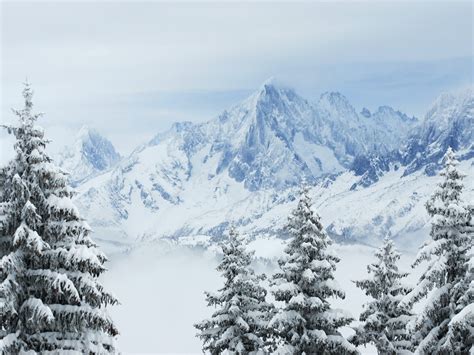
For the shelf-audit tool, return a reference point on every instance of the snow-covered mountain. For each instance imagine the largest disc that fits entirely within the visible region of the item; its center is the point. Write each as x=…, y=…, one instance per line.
x=89, y=155
x=364, y=133
x=244, y=167
x=448, y=123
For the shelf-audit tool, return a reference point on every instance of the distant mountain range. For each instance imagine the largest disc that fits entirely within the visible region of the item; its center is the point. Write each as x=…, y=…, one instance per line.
x=370, y=172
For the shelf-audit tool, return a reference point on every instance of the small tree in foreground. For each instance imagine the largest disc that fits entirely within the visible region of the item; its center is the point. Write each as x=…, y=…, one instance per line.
x=384, y=320
x=50, y=298
x=307, y=324
x=446, y=323
x=239, y=324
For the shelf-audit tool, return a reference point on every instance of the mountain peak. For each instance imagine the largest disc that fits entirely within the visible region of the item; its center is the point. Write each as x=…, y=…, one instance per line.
x=271, y=81
x=448, y=124
x=274, y=83
x=90, y=154
x=386, y=109
x=447, y=103
x=272, y=87
x=271, y=92
x=389, y=113
x=335, y=98
x=333, y=101
x=89, y=135
x=85, y=131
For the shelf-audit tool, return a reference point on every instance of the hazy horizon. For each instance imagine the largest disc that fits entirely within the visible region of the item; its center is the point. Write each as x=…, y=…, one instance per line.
x=112, y=65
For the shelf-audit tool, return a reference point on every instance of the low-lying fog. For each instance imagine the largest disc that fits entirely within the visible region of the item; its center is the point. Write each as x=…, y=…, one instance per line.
x=161, y=290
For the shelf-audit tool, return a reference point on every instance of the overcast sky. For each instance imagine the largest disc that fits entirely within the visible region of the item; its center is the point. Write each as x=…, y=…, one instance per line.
x=130, y=69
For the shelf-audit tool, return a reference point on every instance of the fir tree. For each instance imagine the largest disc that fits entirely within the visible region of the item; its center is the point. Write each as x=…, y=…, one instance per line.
x=384, y=320
x=306, y=324
x=445, y=325
x=238, y=326
x=50, y=299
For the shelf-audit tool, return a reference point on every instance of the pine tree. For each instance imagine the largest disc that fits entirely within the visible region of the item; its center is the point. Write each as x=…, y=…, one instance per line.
x=50, y=299
x=384, y=320
x=446, y=324
x=238, y=326
x=307, y=324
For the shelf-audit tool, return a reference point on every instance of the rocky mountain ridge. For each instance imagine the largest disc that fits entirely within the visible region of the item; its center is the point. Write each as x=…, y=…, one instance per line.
x=245, y=167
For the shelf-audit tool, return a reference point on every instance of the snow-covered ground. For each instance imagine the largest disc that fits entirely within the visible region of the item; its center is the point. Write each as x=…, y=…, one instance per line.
x=161, y=290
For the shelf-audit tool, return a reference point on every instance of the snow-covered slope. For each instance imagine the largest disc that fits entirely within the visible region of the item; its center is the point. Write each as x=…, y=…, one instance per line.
x=89, y=155
x=245, y=165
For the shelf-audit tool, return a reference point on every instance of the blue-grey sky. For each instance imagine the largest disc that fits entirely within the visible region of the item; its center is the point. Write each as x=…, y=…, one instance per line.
x=130, y=69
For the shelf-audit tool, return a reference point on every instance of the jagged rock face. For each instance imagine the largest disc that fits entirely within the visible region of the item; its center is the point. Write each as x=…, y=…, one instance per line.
x=276, y=139
x=90, y=154
x=245, y=166
x=448, y=123
x=273, y=139
x=261, y=140
x=345, y=130
x=372, y=167
x=393, y=127
x=362, y=135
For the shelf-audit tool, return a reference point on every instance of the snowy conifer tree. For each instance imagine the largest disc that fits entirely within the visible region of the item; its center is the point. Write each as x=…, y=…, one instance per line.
x=238, y=326
x=306, y=324
x=384, y=320
x=50, y=299
x=446, y=324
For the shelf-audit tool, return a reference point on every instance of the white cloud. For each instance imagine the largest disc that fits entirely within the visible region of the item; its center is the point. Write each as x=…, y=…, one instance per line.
x=84, y=58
